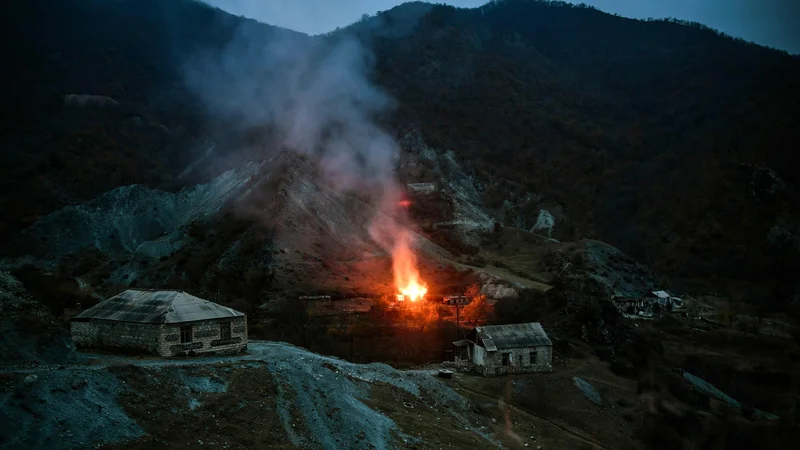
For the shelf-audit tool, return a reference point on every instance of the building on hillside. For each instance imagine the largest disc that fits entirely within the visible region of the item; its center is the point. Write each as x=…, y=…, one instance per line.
x=504, y=349
x=317, y=305
x=163, y=322
x=629, y=305
x=663, y=298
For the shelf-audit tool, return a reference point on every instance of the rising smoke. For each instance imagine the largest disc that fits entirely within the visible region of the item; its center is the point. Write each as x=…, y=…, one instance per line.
x=315, y=94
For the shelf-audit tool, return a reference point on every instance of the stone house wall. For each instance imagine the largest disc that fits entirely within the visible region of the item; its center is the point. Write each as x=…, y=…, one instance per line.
x=519, y=360
x=113, y=334
x=162, y=339
x=206, y=338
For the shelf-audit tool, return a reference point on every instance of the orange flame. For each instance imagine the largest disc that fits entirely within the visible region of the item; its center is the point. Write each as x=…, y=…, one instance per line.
x=404, y=264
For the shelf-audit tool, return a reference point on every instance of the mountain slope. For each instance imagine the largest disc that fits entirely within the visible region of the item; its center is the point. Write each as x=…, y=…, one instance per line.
x=657, y=137
x=130, y=51
x=647, y=133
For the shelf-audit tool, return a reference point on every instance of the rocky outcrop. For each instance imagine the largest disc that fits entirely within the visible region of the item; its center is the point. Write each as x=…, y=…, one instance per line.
x=28, y=332
x=785, y=236
x=467, y=218
x=544, y=222
x=92, y=101
x=496, y=288
x=595, y=268
x=131, y=219
x=764, y=184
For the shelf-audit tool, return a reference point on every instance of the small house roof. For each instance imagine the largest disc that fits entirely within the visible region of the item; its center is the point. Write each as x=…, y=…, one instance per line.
x=461, y=343
x=661, y=294
x=156, y=306
x=489, y=344
x=513, y=336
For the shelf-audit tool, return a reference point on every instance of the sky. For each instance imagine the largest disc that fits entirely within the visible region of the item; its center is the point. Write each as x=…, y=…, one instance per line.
x=773, y=23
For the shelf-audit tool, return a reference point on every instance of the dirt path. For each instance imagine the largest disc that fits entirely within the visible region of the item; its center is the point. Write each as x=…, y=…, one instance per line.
x=575, y=433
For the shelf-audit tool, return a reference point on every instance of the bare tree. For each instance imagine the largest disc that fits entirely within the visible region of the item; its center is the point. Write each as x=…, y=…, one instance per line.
x=298, y=315
x=421, y=314
x=478, y=308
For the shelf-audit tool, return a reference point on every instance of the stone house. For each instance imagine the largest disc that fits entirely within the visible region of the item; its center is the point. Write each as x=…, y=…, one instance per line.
x=630, y=305
x=665, y=299
x=504, y=349
x=163, y=322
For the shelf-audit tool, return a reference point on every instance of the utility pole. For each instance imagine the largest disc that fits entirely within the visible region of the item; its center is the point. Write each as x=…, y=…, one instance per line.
x=458, y=325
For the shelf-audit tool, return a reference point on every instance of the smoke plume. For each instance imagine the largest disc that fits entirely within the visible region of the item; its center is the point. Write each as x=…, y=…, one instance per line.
x=314, y=93
x=316, y=96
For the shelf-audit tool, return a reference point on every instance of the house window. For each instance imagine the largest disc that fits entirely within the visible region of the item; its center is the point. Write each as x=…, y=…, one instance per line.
x=533, y=357
x=186, y=334
x=225, y=330
x=506, y=359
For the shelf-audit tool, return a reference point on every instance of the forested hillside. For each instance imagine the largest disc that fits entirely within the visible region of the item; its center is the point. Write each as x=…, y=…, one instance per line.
x=668, y=140
x=651, y=134
x=130, y=51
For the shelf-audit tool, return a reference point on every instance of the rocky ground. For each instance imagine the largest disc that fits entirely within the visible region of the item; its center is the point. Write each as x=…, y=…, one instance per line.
x=29, y=334
x=277, y=395
x=281, y=396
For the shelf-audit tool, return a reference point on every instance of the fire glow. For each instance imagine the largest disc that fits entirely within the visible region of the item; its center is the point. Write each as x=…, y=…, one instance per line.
x=404, y=265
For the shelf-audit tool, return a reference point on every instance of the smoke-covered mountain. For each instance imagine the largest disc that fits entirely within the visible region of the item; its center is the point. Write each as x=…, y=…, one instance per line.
x=665, y=139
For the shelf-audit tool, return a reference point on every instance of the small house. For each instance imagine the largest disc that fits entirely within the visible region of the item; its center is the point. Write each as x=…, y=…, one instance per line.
x=504, y=349
x=630, y=305
x=163, y=322
x=663, y=298
x=317, y=305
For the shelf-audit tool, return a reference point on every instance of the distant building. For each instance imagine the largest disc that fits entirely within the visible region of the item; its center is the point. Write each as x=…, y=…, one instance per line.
x=421, y=188
x=403, y=297
x=317, y=303
x=630, y=305
x=504, y=349
x=163, y=322
x=663, y=298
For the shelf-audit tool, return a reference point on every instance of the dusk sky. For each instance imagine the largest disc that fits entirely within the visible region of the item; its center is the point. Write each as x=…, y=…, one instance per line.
x=773, y=23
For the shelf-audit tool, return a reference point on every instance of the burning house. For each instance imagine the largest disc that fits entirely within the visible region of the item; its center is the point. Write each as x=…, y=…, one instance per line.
x=504, y=349
x=166, y=323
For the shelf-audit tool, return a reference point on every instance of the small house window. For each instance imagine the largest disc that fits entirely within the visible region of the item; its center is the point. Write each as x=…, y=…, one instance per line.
x=533, y=357
x=225, y=330
x=186, y=335
x=506, y=359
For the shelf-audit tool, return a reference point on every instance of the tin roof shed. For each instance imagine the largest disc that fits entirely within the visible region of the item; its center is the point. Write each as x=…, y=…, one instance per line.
x=513, y=336
x=156, y=306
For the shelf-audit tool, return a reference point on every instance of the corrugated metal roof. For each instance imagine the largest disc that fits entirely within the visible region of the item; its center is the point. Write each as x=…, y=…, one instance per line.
x=488, y=343
x=513, y=336
x=154, y=306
